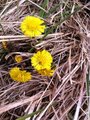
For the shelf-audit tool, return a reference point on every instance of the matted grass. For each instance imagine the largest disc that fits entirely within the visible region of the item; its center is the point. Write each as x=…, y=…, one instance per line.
x=64, y=96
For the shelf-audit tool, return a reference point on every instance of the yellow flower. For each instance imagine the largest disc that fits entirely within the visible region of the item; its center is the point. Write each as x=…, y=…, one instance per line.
x=4, y=44
x=42, y=60
x=32, y=26
x=18, y=58
x=19, y=75
x=46, y=72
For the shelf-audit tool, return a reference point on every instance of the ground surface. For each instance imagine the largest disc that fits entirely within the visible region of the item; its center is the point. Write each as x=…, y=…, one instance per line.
x=64, y=96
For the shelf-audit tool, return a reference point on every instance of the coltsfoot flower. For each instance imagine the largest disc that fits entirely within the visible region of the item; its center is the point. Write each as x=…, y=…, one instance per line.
x=4, y=44
x=18, y=58
x=42, y=60
x=32, y=26
x=20, y=75
x=46, y=72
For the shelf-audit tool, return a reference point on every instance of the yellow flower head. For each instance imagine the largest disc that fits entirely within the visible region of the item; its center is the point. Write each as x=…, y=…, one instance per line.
x=18, y=58
x=4, y=44
x=32, y=26
x=46, y=72
x=19, y=75
x=42, y=60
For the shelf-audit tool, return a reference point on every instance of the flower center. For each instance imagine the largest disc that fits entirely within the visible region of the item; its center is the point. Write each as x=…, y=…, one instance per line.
x=31, y=27
x=40, y=62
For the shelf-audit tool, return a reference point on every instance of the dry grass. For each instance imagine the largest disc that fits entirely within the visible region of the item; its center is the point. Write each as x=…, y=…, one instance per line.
x=63, y=96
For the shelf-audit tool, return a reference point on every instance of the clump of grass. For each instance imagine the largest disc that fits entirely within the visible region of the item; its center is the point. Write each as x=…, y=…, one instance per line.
x=62, y=96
